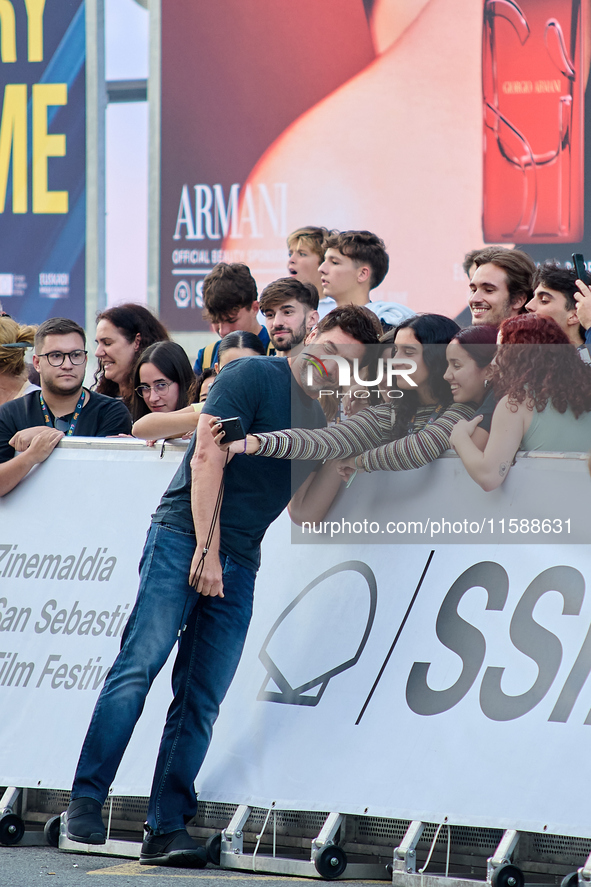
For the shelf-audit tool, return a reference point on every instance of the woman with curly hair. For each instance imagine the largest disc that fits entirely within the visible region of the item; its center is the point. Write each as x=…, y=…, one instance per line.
x=122, y=333
x=545, y=400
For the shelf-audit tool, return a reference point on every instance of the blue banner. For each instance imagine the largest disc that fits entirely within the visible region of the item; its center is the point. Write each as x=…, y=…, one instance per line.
x=42, y=159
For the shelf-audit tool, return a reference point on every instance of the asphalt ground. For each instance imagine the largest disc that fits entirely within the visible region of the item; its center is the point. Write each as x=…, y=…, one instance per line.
x=29, y=866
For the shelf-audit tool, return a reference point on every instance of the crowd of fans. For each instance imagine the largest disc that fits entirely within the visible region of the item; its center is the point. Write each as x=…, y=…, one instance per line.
x=516, y=378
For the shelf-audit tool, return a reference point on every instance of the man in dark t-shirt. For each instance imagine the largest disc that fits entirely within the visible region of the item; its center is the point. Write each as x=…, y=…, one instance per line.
x=35, y=423
x=197, y=577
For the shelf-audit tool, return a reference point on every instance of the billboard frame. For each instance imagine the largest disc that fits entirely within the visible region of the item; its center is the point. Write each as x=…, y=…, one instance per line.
x=96, y=105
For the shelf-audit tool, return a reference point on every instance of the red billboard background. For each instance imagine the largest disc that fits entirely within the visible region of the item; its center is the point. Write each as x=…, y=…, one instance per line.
x=354, y=114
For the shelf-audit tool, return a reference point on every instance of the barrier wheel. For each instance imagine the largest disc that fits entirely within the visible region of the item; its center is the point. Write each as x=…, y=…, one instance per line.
x=330, y=862
x=51, y=830
x=570, y=880
x=213, y=846
x=507, y=876
x=12, y=828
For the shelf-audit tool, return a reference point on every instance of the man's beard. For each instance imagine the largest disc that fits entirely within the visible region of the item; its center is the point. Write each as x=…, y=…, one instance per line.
x=296, y=337
x=60, y=391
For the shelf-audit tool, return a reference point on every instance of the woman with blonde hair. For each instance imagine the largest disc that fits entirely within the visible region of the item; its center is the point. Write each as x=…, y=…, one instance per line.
x=14, y=341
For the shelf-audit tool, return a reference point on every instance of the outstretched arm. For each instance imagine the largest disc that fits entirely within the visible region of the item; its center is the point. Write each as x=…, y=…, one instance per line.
x=153, y=426
x=418, y=449
x=367, y=429
x=490, y=468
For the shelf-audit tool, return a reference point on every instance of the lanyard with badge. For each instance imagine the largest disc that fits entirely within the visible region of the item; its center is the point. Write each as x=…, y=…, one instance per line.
x=75, y=417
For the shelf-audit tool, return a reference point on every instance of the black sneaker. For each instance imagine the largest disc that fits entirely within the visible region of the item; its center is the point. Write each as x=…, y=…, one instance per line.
x=84, y=822
x=175, y=848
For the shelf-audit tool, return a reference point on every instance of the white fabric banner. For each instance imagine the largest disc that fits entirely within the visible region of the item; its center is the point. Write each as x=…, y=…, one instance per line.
x=71, y=536
x=411, y=681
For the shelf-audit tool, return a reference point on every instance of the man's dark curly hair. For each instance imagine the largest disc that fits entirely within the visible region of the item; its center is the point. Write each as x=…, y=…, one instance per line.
x=359, y=322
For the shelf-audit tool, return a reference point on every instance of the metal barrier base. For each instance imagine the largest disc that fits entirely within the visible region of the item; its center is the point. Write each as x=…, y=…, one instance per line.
x=416, y=880
x=327, y=860
x=283, y=843
x=302, y=868
x=126, y=849
x=500, y=872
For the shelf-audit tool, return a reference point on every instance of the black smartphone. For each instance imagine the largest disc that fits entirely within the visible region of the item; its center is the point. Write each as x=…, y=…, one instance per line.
x=232, y=429
x=579, y=263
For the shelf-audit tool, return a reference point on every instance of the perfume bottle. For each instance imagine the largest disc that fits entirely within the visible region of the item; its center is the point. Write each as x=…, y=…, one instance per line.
x=533, y=92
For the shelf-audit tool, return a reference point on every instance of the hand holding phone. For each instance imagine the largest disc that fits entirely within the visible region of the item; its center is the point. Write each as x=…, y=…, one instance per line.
x=581, y=270
x=232, y=429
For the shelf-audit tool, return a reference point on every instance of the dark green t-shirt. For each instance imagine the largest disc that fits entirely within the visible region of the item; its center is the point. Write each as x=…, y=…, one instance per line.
x=263, y=393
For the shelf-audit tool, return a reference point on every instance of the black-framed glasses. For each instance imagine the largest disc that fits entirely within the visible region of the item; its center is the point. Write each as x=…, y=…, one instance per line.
x=56, y=358
x=157, y=388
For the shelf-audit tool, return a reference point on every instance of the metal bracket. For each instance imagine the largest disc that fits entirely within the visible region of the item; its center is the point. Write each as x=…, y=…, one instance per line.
x=503, y=853
x=405, y=855
x=232, y=835
x=327, y=833
x=9, y=799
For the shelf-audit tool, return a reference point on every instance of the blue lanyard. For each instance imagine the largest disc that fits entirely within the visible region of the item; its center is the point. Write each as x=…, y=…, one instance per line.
x=75, y=417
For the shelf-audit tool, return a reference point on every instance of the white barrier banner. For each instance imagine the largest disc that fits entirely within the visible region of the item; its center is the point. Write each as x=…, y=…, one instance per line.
x=422, y=681
x=71, y=536
x=412, y=681
x=540, y=502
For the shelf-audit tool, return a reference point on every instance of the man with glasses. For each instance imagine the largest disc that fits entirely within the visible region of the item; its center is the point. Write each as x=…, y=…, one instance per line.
x=32, y=426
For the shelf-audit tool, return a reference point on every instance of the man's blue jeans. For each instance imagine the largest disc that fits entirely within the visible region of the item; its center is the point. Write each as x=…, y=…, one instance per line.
x=208, y=654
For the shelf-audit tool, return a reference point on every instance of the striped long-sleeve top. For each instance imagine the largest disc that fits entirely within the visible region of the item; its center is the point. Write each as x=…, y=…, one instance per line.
x=370, y=433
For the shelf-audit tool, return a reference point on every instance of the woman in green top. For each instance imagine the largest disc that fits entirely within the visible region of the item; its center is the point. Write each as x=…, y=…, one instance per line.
x=545, y=400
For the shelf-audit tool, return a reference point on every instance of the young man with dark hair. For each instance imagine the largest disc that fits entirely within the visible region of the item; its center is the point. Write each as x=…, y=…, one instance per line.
x=356, y=262
x=34, y=424
x=197, y=578
x=362, y=326
x=290, y=308
x=501, y=285
x=230, y=301
x=554, y=296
